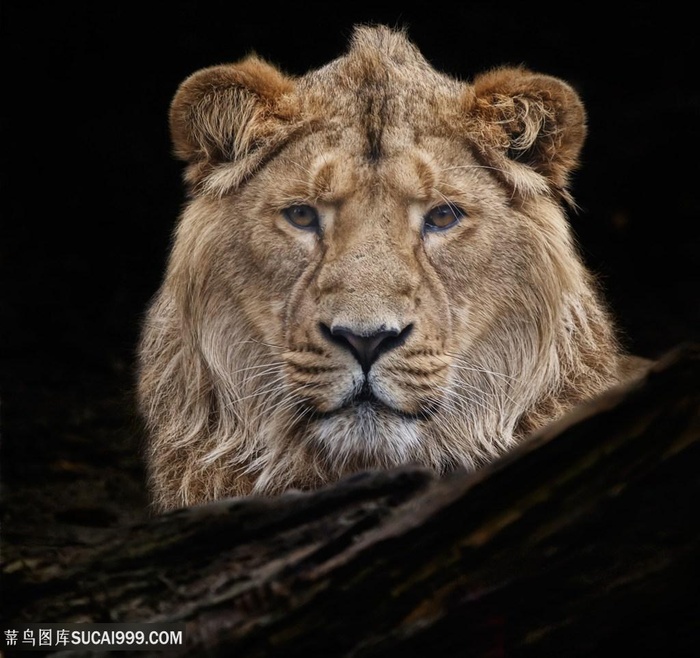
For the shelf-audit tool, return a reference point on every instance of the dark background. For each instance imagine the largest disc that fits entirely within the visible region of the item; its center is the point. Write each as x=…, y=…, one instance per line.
x=91, y=192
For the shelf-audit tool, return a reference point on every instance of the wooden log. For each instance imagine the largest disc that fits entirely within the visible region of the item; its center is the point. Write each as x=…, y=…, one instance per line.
x=585, y=537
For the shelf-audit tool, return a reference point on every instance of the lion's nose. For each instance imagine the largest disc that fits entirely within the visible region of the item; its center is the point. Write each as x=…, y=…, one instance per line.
x=366, y=348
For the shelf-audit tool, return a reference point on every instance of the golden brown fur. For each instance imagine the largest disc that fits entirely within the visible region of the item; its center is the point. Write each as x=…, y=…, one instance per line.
x=248, y=379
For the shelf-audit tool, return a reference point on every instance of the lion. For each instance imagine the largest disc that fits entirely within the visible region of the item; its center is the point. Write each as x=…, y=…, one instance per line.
x=373, y=268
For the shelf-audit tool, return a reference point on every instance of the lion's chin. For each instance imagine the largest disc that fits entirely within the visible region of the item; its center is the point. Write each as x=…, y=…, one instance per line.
x=368, y=433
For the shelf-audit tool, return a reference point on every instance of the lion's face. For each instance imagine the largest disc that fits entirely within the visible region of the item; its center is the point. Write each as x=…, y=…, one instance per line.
x=377, y=278
x=373, y=269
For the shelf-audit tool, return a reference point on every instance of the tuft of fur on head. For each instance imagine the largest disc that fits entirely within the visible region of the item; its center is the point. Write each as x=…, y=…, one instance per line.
x=246, y=383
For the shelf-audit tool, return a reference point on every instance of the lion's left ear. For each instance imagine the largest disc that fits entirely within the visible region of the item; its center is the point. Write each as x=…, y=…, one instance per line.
x=531, y=119
x=232, y=113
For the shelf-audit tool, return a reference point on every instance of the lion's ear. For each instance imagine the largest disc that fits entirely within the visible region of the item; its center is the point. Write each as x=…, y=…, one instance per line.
x=224, y=112
x=533, y=119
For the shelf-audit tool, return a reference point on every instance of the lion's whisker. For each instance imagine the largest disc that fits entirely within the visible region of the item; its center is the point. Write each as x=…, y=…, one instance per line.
x=270, y=388
x=289, y=400
x=270, y=368
x=478, y=399
x=258, y=342
x=462, y=359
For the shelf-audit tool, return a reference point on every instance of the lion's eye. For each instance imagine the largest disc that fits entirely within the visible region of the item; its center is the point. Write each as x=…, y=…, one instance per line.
x=442, y=217
x=302, y=216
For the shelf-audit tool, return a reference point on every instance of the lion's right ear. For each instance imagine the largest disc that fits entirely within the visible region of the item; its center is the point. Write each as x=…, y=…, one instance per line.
x=224, y=113
x=533, y=120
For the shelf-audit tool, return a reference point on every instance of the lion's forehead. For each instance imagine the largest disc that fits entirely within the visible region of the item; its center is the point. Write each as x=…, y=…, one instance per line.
x=338, y=174
x=333, y=169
